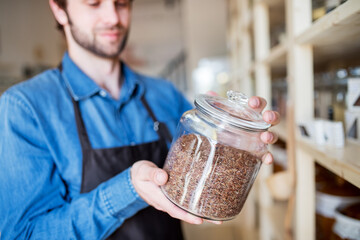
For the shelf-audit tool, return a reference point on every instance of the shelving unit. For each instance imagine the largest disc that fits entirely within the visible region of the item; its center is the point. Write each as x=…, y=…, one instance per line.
x=271, y=3
x=335, y=36
x=277, y=56
x=342, y=161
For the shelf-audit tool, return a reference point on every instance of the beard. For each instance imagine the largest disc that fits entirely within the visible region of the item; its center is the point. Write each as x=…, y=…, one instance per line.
x=91, y=44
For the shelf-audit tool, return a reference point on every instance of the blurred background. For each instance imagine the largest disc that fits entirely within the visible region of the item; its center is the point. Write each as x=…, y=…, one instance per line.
x=302, y=56
x=169, y=39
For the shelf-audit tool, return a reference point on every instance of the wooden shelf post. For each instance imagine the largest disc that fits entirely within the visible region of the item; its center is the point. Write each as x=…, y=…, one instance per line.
x=263, y=89
x=300, y=108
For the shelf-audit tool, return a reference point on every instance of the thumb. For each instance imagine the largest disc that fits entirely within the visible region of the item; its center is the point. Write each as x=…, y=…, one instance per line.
x=148, y=171
x=160, y=177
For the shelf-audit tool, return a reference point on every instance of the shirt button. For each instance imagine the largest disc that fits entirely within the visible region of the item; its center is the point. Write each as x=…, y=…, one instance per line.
x=103, y=93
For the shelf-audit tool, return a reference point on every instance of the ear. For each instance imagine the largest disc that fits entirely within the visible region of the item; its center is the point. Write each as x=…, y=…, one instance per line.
x=59, y=13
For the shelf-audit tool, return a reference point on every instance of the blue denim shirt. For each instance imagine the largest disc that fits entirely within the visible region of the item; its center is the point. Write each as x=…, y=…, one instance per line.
x=41, y=159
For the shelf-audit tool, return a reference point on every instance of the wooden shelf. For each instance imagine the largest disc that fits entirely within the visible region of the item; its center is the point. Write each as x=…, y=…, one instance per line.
x=336, y=34
x=277, y=56
x=342, y=161
x=332, y=40
x=272, y=3
x=280, y=130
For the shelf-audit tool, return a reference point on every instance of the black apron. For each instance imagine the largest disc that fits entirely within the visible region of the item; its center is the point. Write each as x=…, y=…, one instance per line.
x=100, y=165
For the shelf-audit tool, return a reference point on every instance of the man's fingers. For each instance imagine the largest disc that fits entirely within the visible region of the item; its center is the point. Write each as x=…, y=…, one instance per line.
x=165, y=205
x=271, y=117
x=214, y=222
x=147, y=178
x=176, y=212
x=268, y=137
x=267, y=158
x=257, y=103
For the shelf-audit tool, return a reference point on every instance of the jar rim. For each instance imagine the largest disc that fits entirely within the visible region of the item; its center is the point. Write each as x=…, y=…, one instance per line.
x=234, y=111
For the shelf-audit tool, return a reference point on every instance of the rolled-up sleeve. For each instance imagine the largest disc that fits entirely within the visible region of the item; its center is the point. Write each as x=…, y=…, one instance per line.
x=34, y=202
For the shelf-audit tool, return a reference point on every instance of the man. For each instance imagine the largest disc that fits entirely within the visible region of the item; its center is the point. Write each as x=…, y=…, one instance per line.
x=71, y=139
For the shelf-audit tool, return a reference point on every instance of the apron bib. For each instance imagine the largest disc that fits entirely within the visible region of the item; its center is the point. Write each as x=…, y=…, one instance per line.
x=99, y=165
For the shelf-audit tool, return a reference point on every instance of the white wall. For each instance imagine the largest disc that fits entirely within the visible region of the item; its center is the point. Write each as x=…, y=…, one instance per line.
x=158, y=34
x=27, y=35
x=205, y=23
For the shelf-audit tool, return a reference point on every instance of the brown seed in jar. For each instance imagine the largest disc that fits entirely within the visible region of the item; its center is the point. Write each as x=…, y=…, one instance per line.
x=209, y=179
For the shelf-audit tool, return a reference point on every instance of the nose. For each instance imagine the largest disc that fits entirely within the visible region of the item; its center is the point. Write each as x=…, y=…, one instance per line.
x=110, y=14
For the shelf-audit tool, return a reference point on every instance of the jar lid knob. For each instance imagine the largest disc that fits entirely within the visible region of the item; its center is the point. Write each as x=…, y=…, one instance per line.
x=237, y=97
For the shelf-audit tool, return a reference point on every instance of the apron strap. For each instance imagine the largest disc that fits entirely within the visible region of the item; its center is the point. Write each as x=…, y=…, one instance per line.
x=81, y=129
x=83, y=136
x=159, y=127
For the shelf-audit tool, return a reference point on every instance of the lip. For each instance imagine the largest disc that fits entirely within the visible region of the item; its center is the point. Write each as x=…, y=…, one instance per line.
x=113, y=35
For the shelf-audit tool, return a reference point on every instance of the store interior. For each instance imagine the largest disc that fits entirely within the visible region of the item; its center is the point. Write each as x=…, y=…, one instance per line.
x=302, y=56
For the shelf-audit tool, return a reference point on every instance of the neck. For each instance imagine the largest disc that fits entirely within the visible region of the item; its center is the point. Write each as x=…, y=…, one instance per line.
x=103, y=71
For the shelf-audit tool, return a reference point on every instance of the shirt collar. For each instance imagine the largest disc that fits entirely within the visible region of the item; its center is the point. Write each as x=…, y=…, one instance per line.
x=81, y=86
x=132, y=85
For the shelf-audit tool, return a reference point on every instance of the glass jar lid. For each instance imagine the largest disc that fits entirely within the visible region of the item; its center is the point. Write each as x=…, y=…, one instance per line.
x=234, y=110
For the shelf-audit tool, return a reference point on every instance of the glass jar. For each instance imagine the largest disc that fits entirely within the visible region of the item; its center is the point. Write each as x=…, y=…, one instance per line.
x=215, y=156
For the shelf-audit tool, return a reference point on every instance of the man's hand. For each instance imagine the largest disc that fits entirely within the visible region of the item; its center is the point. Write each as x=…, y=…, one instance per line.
x=146, y=178
x=272, y=117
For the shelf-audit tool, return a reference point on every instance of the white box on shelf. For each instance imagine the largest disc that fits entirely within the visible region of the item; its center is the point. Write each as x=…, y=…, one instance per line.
x=352, y=125
x=319, y=132
x=313, y=130
x=324, y=132
x=334, y=134
x=353, y=86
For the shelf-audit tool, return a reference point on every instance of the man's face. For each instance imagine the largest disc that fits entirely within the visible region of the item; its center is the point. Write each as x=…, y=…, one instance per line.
x=99, y=26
